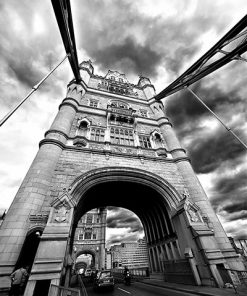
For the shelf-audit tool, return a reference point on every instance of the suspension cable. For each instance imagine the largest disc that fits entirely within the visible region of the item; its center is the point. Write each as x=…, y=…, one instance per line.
x=217, y=117
x=34, y=88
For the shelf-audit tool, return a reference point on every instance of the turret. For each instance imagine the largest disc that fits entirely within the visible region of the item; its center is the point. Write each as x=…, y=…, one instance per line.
x=147, y=86
x=86, y=70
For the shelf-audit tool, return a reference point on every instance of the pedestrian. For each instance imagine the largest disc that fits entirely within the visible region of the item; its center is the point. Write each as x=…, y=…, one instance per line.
x=18, y=281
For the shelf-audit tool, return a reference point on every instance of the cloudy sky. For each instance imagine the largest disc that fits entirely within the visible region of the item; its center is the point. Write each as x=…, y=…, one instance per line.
x=159, y=39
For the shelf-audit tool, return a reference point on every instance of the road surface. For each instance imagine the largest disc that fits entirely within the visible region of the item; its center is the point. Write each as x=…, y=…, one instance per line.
x=137, y=289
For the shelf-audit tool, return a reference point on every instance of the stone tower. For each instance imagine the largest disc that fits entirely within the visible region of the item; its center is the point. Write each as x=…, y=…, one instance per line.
x=111, y=144
x=90, y=236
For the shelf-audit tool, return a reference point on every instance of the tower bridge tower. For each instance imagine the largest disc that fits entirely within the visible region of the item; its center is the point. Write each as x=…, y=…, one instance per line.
x=90, y=236
x=111, y=144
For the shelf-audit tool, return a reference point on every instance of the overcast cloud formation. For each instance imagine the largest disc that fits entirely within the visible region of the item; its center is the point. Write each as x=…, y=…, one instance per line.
x=159, y=39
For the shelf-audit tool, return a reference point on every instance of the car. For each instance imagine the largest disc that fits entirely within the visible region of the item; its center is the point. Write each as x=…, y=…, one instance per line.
x=104, y=280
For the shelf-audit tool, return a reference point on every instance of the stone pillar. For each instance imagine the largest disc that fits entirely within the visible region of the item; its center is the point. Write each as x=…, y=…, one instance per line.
x=188, y=254
x=150, y=259
x=52, y=258
x=196, y=193
x=169, y=255
x=102, y=241
x=34, y=189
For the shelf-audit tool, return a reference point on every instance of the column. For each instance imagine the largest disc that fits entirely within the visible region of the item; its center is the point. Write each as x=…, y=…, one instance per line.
x=33, y=190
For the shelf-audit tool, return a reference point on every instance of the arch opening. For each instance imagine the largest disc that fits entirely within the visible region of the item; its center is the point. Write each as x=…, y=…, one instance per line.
x=150, y=201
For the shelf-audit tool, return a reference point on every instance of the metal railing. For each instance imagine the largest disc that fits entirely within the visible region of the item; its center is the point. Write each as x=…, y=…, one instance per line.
x=62, y=291
x=238, y=277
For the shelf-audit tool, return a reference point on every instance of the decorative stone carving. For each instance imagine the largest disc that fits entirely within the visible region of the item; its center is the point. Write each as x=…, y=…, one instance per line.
x=80, y=142
x=62, y=209
x=61, y=213
x=193, y=214
x=124, y=150
x=94, y=146
x=38, y=220
x=117, y=83
x=191, y=210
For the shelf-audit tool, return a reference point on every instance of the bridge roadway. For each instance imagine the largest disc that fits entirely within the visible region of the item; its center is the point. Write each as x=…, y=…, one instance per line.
x=137, y=289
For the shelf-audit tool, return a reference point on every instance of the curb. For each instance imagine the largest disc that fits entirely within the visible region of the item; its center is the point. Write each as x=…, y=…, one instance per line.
x=180, y=289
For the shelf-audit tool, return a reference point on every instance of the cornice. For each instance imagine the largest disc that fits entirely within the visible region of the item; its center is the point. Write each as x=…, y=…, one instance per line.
x=64, y=103
x=52, y=141
x=56, y=131
x=125, y=155
x=178, y=149
x=180, y=159
x=115, y=96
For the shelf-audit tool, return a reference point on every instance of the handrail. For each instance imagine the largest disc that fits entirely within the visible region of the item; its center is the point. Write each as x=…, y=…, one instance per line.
x=56, y=290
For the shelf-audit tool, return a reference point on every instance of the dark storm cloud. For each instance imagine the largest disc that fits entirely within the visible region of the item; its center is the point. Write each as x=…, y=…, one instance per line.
x=228, y=184
x=209, y=152
x=122, y=218
x=128, y=55
x=184, y=109
x=27, y=54
x=118, y=35
x=207, y=149
x=230, y=198
x=236, y=207
x=118, y=239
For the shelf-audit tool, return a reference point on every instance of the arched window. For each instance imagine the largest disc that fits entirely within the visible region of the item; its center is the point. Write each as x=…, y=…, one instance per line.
x=157, y=140
x=83, y=128
x=145, y=141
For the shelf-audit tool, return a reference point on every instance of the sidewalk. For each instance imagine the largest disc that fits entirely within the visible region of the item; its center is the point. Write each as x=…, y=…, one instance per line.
x=198, y=290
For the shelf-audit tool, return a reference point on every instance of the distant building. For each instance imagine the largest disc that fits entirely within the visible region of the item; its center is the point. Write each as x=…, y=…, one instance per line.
x=90, y=236
x=240, y=246
x=108, y=259
x=130, y=254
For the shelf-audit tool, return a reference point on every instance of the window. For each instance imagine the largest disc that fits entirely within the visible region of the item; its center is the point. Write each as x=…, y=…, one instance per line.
x=122, y=136
x=143, y=113
x=119, y=105
x=93, y=103
x=83, y=128
x=145, y=141
x=88, y=234
x=94, y=236
x=89, y=219
x=97, y=134
x=80, y=236
x=157, y=140
x=112, y=78
x=120, y=79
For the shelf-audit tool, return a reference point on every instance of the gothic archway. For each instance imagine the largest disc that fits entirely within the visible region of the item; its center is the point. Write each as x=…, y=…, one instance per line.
x=149, y=196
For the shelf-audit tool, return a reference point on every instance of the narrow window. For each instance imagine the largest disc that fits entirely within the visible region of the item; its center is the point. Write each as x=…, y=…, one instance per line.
x=122, y=136
x=88, y=235
x=143, y=113
x=93, y=103
x=145, y=141
x=89, y=219
x=97, y=134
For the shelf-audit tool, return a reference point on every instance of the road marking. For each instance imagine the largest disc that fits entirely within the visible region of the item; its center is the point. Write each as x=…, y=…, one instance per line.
x=124, y=291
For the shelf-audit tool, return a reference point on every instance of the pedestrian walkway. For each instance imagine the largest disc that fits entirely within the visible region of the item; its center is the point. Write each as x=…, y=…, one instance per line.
x=198, y=290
